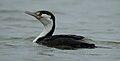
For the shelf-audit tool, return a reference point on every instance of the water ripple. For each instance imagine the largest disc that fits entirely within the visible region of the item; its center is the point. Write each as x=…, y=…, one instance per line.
x=10, y=11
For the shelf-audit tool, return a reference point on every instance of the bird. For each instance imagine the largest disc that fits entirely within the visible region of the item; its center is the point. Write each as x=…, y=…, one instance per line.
x=47, y=38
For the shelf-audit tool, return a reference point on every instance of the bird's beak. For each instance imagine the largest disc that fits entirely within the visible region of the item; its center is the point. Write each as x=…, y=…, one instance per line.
x=32, y=14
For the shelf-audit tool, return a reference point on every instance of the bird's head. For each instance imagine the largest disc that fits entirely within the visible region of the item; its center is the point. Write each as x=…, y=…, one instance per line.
x=45, y=17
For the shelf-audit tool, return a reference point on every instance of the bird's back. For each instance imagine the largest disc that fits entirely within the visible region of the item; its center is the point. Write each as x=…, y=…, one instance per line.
x=65, y=42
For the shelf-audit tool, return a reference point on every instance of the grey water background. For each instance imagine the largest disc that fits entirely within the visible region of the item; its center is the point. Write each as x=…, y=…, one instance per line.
x=98, y=20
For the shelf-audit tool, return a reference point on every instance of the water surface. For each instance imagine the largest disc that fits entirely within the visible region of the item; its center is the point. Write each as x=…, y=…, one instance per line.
x=98, y=20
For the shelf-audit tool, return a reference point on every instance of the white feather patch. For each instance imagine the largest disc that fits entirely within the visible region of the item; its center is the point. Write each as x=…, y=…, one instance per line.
x=48, y=24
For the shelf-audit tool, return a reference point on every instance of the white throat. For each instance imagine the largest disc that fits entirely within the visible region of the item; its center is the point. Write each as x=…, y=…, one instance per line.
x=48, y=24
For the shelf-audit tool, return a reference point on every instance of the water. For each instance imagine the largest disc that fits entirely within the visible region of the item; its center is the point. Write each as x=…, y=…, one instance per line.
x=98, y=20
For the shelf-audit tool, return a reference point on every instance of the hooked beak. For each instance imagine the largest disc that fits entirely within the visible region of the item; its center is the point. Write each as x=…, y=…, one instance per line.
x=32, y=14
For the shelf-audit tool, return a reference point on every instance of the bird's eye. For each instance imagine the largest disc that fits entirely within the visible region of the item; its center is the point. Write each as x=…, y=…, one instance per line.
x=37, y=13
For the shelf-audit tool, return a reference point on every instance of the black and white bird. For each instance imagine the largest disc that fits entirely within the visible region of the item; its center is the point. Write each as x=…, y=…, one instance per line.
x=57, y=41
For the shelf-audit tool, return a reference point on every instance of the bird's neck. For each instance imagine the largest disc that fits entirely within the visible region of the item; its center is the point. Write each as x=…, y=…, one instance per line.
x=47, y=31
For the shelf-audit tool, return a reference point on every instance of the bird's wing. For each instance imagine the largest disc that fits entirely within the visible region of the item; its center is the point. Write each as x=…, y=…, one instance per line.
x=63, y=40
x=71, y=41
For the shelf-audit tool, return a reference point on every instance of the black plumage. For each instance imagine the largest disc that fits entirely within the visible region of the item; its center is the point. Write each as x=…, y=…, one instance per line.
x=65, y=42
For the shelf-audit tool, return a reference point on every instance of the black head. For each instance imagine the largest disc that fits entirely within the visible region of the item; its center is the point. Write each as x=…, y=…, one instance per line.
x=39, y=14
x=46, y=12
